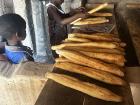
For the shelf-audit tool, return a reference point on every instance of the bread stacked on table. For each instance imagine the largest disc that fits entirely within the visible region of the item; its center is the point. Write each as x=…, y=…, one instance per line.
x=99, y=56
x=92, y=21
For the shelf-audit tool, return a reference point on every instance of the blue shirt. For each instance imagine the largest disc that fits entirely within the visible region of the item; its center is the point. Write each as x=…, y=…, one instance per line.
x=15, y=54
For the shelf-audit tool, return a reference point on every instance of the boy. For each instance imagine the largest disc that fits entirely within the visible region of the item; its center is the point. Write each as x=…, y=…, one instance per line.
x=58, y=21
x=12, y=30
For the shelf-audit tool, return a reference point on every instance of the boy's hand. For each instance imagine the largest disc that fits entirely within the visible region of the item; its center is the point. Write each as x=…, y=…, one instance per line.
x=82, y=15
x=80, y=9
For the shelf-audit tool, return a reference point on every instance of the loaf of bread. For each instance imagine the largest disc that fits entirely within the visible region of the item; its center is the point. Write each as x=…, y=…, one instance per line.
x=106, y=57
x=61, y=59
x=90, y=72
x=96, y=50
x=95, y=37
x=102, y=14
x=91, y=22
x=87, y=88
x=94, y=19
x=92, y=11
x=108, y=45
x=75, y=39
x=82, y=59
x=84, y=40
x=121, y=44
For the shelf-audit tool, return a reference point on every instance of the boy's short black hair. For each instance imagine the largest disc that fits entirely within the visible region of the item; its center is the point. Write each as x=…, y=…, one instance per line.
x=10, y=24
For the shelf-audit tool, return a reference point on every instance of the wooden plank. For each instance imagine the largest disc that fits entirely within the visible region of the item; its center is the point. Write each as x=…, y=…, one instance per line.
x=33, y=69
x=56, y=94
x=26, y=69
x=20, y=91
x=133, y=74
x=6, y=69
x=24, y=84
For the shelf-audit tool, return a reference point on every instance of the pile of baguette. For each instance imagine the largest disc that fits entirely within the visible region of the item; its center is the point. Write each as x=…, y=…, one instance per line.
x=92, y=21
x=99, y=56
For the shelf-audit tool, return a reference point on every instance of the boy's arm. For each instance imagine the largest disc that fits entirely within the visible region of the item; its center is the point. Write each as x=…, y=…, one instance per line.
x=64, y=21
x=77, y=10
x=29, y=53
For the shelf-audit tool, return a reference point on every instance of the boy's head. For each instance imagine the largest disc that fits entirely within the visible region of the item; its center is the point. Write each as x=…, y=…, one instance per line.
x=12, y=26
x=58, y=2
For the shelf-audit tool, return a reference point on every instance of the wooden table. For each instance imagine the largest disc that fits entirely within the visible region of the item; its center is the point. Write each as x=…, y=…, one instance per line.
x=56, y=94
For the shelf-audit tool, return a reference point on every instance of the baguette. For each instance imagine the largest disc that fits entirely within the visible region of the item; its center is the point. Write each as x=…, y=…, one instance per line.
x=90, y=62
x=82, y=40
x=121, y=44
x=120, y=48
x=87, y=88
x=110, y=58
x=93, y=11
x=96, y=50
x=75, y=39
x=94, y=19
x=68, y=41
x=108, y=45
x=91, y=22
x=90, y=72
x=95, y=37
x=71, y=38
x=107, y=34
x=102, y=14
x=61, y=59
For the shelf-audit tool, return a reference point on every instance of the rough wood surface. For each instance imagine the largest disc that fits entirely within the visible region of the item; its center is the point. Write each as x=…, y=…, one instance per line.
x=20, y=91
x=24, y=84
x=56, y=94
x=6, y=69
x=133, y=74
x=27, y=69
x=32, y=69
